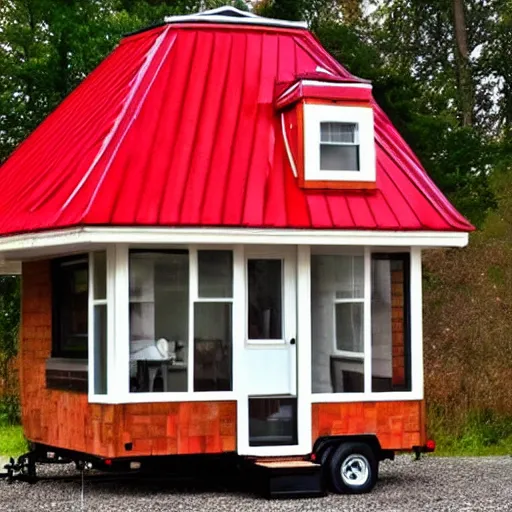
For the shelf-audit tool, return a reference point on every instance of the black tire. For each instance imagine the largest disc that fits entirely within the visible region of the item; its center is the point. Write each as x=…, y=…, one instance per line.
x=325, y=460
x=353, y=469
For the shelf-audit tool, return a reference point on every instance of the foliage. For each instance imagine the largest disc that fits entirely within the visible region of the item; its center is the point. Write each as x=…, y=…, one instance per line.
x=12, y=441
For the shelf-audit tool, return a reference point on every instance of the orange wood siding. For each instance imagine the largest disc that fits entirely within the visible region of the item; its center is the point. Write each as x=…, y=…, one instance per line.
x=66, y=419
x=398, y=425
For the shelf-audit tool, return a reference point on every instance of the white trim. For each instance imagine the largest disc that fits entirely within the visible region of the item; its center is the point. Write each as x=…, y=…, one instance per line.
x=317, y=83
x=242, y=18
x=120, y=382
x=145, y=398
x=416, y=327
x=193, y=290
x=390, y=396
x=314, y=115
x=287, y=147
x=69, y=239
x=111, y=315
x=304, y=413
x=90, y=327
x=367, y=321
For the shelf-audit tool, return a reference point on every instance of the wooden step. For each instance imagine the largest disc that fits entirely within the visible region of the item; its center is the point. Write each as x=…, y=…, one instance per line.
x=286, y=478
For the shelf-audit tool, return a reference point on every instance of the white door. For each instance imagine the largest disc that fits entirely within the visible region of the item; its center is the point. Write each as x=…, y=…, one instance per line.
x=268, y=403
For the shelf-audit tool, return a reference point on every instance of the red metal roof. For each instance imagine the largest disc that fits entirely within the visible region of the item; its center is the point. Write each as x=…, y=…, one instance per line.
x=177, y=128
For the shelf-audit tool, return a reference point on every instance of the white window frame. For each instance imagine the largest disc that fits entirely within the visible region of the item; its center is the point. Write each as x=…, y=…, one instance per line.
x=118, y=300
x=314, y=115
x=108, y=301
x=416, y=336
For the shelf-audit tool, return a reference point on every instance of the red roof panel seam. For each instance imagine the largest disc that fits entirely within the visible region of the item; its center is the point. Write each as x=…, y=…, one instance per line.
x=404, y=197
x=140, y=196
x=255, y=132
x=174, y=141
x=232, y=152
x=138, y=80
x=197, y=127
x=217, y=129
x=130, y=124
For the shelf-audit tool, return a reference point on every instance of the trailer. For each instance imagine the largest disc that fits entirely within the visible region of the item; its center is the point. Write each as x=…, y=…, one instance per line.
x=221, y=234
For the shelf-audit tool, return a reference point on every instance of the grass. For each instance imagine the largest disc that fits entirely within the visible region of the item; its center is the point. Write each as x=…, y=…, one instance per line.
x=12, y=441
x=484, y=433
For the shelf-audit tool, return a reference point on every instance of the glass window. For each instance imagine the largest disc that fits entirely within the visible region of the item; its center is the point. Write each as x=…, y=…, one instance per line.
x=349, y=327
x=265, y=283
x=390, y=329
x=70, y=307
x=100, y=275
x=100, y=349
x=339, y=147
x=215, y=273
x=159, y=313
x=272, y=421
x=100, y=321
x=337, y=323
x=213, y=346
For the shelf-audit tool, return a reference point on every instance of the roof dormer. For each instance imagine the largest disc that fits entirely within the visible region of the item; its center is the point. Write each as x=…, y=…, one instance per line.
x=328, y=130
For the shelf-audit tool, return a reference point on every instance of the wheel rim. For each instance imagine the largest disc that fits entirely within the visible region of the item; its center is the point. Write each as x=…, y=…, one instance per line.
x=355, y=470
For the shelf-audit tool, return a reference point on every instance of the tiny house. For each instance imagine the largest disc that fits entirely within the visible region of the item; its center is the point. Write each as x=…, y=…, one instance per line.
x=221, y=237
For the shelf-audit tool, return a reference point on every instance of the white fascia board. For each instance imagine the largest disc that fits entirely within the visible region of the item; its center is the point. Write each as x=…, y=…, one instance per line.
x=27, y=244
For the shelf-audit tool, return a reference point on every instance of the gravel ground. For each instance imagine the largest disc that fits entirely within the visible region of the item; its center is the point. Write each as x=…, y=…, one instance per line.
x=434, y=484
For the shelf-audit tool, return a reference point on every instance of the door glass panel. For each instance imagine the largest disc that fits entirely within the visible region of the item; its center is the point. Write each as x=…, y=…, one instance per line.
x=272, y=421
x=265, y=284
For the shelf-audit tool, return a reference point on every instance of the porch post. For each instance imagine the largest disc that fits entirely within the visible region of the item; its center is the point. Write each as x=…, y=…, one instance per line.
x=304, y=416
x=416, y=323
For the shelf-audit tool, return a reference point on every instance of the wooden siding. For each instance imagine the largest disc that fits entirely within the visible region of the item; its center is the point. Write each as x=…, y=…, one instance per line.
x=65, y=419
x=398, y=425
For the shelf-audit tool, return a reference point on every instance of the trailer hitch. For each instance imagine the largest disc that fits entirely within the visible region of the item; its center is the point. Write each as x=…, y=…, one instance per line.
x=23, y=469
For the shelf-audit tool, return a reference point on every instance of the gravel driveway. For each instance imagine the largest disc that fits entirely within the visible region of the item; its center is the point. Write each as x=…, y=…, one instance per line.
x=457, y=484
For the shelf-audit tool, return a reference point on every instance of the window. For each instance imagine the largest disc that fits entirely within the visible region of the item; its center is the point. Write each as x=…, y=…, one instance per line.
x=70, y=307
x=391, y=364
x=265, y=295
x=339, y=144
x=159, y=319
x=337, y=307
x=99, y=309
x=213, y=339
x=339, y=147
x=164, y=355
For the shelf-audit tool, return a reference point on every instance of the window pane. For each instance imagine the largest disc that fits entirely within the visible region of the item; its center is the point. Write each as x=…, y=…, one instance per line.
x=213, y=346
x=337, y=326
x=100, y=349
x=159, y=305
x=341, y=275
x=390, y=349
x=71, y=299
x=100, y=275
x=349, y=327
x=272, y=421
x=338, y=132
x=339, y=158
x=215, y=273
x=265, y=299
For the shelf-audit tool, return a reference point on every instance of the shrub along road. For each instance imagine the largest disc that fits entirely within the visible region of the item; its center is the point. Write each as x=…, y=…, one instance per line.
x=434, y=484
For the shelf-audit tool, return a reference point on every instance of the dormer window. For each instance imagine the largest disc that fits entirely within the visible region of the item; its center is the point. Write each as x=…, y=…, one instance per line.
x=339, y=146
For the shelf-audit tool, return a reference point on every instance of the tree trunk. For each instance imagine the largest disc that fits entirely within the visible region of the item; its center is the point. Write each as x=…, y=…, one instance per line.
x=464, y=78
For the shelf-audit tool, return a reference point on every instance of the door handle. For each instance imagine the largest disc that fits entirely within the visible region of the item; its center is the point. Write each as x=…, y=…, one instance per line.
x=292, y=341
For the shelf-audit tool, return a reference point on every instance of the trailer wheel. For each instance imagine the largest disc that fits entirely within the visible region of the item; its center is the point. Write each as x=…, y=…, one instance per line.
x=353, y=469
